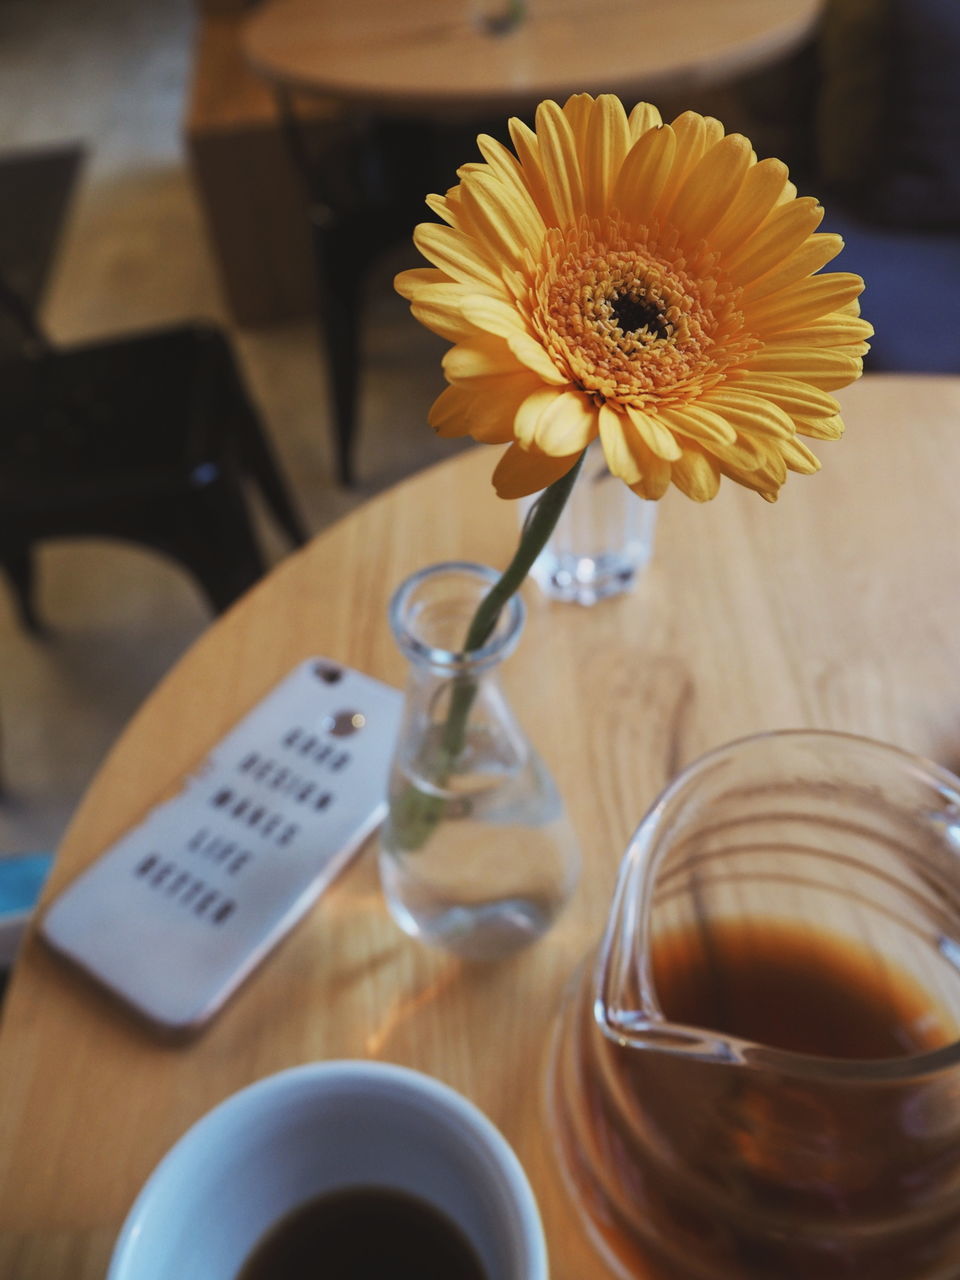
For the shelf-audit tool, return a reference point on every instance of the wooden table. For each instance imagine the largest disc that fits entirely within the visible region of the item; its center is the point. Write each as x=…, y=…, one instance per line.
x=437, y=55
x=838, y=608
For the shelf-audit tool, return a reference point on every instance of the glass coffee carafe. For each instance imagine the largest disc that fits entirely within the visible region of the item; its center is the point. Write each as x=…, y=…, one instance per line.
x=758, y=1078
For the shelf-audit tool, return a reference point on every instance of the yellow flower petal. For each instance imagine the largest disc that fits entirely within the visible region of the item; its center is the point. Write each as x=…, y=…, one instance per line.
x=698, y=422
x=787, y=227
x=557, y=423
x=656, y=474
x=695, y=135
x=643, y=117
x=799, y=458
x=528, y=153
x=457, y=255
x=492, y=315
x=711, y=186
x=521, y=472
x=767, y=486
x=805, y=301
x=644, y=174
x=486, y=408
x=657, y=437
x=749, y=413
x=629, y=457
x=578, y=109
x=558, y=159
x=448, y=207
x=484, y=357
x=567, y=424
x=529, y=352
x=501, y=160
x=759, y=193
x=697, y=474
x=837, y=329
x=750, y=454
x=621, y=459
x=798, y=399
x=655, y=480
x=408, y=282
x=827, y=369
x=504, y=224
x=603, y=145
x=821, y=428
x=813, y=254
x=441, y=307
x=529, y=414
x=505, y=166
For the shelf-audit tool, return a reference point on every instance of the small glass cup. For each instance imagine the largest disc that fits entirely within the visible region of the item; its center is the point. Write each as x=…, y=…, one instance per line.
x=603, y=539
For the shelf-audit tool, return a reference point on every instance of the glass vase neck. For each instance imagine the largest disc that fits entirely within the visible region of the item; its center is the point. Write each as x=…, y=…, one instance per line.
x=431, y=611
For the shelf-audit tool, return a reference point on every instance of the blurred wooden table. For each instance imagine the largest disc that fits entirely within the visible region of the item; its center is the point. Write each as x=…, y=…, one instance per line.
x=429, y=56
x=838, y=607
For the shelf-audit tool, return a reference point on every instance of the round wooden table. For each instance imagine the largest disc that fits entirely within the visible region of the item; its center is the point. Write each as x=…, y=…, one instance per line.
x=837, y=608
x=429, y=57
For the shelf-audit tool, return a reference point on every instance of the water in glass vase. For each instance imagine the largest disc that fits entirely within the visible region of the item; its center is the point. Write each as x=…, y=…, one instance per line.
x=477, y=853
x=496, y=865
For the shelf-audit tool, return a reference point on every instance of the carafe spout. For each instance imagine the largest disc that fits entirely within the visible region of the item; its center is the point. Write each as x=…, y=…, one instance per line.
x=626, y=1007
x=632, y=1029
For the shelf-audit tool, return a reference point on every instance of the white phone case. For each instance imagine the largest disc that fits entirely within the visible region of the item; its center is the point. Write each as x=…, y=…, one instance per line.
x=178, y=912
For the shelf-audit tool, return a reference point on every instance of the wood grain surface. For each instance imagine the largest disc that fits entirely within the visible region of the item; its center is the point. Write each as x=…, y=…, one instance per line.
x=425, y=56
x=838, y=607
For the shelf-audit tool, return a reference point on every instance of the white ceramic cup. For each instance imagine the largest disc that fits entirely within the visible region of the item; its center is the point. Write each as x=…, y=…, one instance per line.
x=314, y=1129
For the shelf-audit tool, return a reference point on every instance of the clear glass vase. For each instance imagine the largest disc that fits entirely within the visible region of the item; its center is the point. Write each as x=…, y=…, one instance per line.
x=477, y=853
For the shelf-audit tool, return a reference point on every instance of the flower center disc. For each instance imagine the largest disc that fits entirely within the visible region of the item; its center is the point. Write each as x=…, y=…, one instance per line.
x=633, y=317
x=635, y=313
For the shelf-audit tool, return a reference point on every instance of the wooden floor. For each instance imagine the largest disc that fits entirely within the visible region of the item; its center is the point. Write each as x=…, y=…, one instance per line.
x=113, y=76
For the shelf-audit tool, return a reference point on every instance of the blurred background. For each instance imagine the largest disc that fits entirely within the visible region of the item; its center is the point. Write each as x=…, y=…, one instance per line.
x=151, y=180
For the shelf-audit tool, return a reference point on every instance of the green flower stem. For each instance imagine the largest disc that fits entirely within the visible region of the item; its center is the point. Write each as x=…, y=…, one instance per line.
x=538, y=527
x=414, y=815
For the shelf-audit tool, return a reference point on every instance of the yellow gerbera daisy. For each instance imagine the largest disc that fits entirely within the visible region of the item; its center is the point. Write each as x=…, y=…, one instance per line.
x=650, y=283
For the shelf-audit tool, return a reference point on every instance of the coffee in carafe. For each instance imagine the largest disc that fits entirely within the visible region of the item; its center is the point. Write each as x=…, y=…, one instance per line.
x=758, y=1078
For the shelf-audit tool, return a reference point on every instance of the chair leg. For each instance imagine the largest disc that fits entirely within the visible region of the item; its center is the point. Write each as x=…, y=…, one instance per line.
x=341, y=260
x=345, y=247
x=216, y=543
x=17, y=560
x=258, y=458
x=246, y=430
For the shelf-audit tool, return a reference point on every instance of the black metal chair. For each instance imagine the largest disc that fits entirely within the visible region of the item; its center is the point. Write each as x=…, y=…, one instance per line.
x=148, y=437
x=363, y=195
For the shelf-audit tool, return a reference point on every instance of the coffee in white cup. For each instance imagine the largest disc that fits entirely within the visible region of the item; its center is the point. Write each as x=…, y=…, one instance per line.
x=348, y=1133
